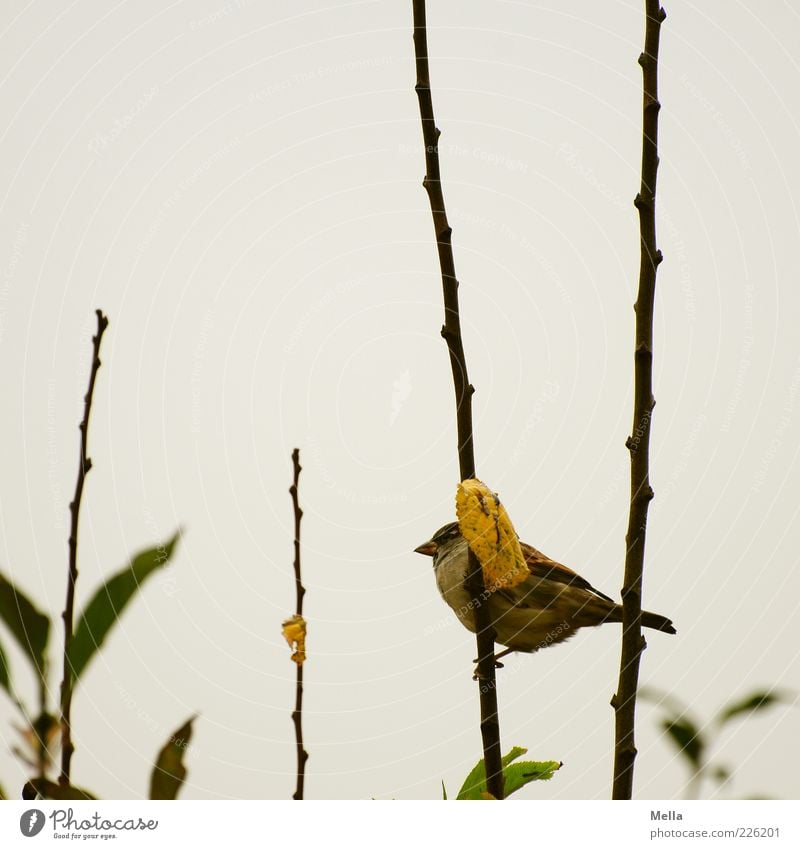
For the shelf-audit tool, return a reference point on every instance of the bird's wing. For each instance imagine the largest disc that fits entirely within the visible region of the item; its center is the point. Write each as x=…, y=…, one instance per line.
x=541, y=566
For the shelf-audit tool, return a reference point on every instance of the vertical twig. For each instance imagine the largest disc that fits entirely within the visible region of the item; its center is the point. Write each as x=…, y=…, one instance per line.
x=42, y=727
x=42, y=755
x=638, y=443
x=485, y=634
x=84, y=467
x=297, y=714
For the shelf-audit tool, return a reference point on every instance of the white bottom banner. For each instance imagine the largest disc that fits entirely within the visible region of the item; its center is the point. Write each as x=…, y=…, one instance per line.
x=379, y=825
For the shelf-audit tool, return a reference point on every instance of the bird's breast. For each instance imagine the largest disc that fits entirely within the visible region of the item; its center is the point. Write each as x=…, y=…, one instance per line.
x=451, y=572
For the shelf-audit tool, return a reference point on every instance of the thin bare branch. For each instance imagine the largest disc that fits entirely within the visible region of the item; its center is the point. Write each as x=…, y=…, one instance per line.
x=84, y=467
x=638, y=443
x=485, y=634
x=297, y=714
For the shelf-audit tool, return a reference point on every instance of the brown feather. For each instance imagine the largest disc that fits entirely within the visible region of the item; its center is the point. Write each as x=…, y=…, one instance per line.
x=541, y=566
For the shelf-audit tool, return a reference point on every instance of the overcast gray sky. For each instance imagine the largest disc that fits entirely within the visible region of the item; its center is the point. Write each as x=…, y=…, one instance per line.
x=238, y=186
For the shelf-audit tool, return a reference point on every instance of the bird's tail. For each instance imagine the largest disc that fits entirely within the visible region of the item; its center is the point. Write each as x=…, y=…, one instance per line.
x=649, y=620
x=660, y=623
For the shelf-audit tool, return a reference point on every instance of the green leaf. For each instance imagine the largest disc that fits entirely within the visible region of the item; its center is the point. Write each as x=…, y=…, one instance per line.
x=169, y=772
x=29, y=627
x=522, y=773
x=444, y=792
x=687, y=739
x=754, y=702
x=663, y=699
x=5, y=672
x=515, y=776
x=46, y=789
x=474, y=785
x=110, y=600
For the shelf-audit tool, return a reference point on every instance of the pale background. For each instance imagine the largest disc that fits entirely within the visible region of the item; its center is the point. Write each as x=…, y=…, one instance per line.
x=238, y=185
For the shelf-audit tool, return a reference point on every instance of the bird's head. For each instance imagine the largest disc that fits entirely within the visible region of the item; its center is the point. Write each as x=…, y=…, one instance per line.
x=444, y=535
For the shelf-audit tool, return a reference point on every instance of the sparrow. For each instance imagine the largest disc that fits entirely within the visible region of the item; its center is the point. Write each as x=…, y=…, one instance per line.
x=544, y=609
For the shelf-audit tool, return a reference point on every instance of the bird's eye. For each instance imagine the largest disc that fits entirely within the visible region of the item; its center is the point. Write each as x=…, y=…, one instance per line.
x=450, y=531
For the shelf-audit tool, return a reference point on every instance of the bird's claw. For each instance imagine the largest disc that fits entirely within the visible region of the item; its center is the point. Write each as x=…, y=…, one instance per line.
x=497, y=665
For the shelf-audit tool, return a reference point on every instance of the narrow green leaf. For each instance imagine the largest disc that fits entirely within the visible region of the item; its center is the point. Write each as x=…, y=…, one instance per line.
x=110, y=600
x=444, y=792
x=46, y=789
x=754, y=702
x=516, y=776
x=519, y=774
x=29, y=627
x=516, y=752
x=687, y=739
x=169, y=772
x=5, y=672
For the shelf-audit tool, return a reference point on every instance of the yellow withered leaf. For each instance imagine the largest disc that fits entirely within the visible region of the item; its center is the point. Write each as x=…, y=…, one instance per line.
x=485, y=525
x=294, y=632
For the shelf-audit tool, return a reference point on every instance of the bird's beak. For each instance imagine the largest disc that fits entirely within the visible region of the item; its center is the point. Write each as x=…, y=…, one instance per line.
x=428, y=548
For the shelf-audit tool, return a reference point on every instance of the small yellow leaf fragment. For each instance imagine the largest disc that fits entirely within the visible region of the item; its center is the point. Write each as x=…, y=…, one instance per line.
x=485, y=525
x=294, y=632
